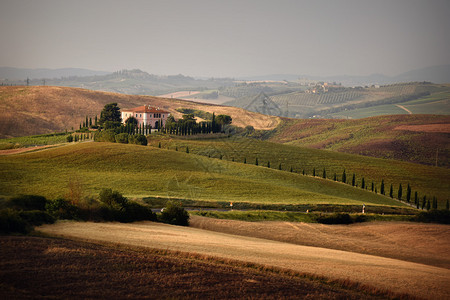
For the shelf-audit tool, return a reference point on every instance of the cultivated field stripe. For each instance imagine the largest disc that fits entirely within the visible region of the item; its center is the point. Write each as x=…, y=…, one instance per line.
x=391, y=274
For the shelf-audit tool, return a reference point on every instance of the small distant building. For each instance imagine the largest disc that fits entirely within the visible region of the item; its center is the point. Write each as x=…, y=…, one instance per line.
x=146, y=115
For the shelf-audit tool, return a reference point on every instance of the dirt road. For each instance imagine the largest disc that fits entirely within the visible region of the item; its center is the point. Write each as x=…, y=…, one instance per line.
x=390, y=274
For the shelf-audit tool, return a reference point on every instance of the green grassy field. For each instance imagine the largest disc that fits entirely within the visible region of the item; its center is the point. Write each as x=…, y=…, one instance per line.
x=138, y=171
x=34, y=140
x=426, y=180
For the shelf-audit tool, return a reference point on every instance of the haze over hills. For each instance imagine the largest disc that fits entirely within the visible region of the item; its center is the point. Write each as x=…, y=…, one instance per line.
x=435, y=74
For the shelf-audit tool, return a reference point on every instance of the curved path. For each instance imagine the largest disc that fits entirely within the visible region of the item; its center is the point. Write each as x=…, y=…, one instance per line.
x=384, y=273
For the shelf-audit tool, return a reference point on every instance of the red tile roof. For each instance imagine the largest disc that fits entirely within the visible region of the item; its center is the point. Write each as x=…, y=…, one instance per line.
x=146, y=109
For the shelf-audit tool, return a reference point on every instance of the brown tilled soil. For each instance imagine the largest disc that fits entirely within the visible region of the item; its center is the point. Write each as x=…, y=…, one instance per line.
x=372, y=272
x=35, y=268
x=415, y=242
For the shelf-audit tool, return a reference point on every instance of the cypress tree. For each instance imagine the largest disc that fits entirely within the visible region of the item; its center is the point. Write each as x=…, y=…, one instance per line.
x=95, y=121
x=268, y=164
x=324, y=175
x=372, y=186
x=424, y=201
x=344, y=177
x=279, y=167
x=87, y=122
x=220, y=157
x=314, y=172
x=292, y=170
x=303, y=172
x=176, y=148
x=232, y=159
x=416, y=199
x=256, y=161
x=428, y=204
x=391, y=192
x=245, y=160
x=187, y=149
x=400, y=192
x=434, y=203
x=90, y=121
x=363, y=183
x=382, y=187
x=335, y=177
x=353, y=179
x=159, y=145
x=408, y=193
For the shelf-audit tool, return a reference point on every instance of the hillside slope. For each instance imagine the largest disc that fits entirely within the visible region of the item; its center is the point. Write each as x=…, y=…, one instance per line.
x=139, y=171
x=44, y=109
x=414, y=138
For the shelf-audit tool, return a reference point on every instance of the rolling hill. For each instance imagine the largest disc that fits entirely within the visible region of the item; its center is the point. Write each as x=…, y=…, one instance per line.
x=415, y=138
x=138, y=171
x=426, y=180
x=45, y=109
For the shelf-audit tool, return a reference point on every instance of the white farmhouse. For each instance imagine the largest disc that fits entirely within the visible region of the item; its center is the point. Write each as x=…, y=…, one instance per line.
x=146, y=115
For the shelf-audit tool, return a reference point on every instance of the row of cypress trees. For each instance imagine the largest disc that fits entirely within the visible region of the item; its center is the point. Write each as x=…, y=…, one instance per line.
x=418, y=203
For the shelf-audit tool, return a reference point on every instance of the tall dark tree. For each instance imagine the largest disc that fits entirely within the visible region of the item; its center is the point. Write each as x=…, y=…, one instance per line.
x=268, y=164
x=408, y=193
x=372, y=187
x=256, y=161
x=363, y=183
x=391, y=192
x=353, y=180
x=110, y=116
x=324, y=174
x=400, y=192
x=424, y=201
x=223, y=120
x=314, y=172
x=344, y=177
x=382, y=192
x=335, y=177
x=435, y=205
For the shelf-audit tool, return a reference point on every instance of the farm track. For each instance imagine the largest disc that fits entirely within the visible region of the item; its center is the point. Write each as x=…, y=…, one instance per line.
x=398, y=276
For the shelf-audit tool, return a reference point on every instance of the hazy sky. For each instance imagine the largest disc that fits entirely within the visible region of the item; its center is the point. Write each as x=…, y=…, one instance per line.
x=228, y=37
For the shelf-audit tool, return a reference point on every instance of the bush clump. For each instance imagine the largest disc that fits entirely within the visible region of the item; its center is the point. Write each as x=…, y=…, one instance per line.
x=37, y=217
x=175, y=214
x=434, y=216
x=11, y=222
x=116, y=207
x=336, y=218
x=27, y=202
x=122, y=138
x=63, y=209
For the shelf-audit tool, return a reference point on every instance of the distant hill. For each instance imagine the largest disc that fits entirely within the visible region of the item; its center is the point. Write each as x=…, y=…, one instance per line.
x=435, y=74
x=131, y=82
x=415, y=138
x=45, y=109
x=335, y=101
x=15, y=74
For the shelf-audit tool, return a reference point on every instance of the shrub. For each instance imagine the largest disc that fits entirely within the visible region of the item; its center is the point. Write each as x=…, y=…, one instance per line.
x=175, y=214
x=118, y=208
x=138, y=139
x=62, y=209
x=336, y=218
x=434, y=216
x=10, y=221
x=121, y=138
x=36, y=217
x=28, y=202
x=69, y=139
x=107, y=135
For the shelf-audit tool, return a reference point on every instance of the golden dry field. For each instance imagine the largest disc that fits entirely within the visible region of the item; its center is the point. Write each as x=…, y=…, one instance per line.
x=394, y=275
x=48, y=109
